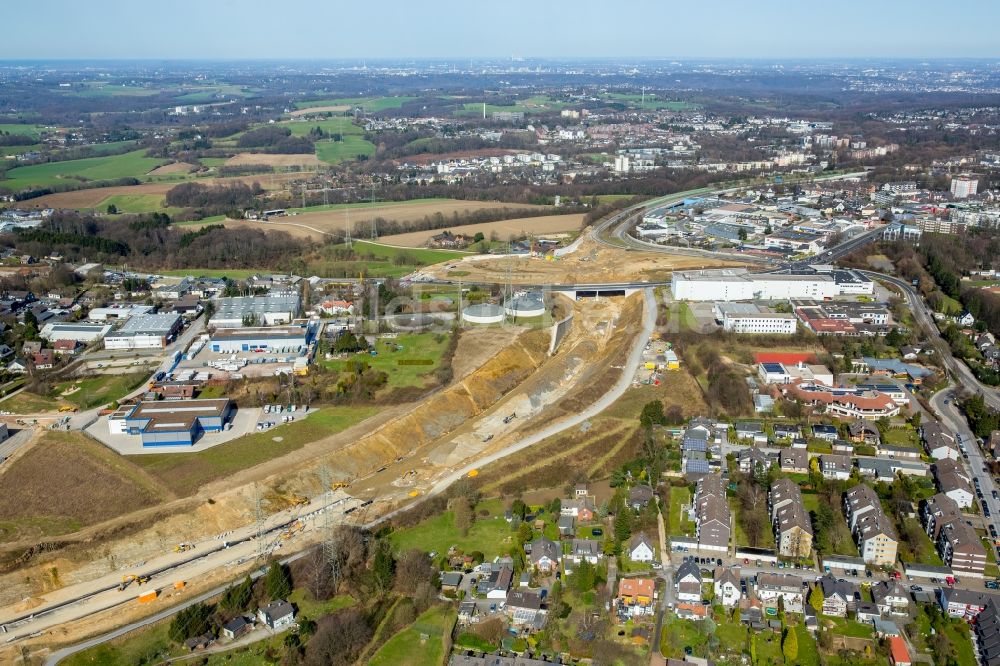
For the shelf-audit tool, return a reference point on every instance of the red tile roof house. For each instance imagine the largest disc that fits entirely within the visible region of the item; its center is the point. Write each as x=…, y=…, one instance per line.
x=66, y=346
x=44, y=359
x=898, y=654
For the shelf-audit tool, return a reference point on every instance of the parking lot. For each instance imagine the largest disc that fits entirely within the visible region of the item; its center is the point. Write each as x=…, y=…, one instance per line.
x=275, y=415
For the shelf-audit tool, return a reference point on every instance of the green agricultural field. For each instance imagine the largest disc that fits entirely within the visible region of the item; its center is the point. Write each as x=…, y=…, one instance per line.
x=184, y=473
x=407, y=648
x=335, y=152
x=651, y=103
x=370, y=104
x=337, y=125
x=19, y=150
x=19, y=128
x=423, y=256
x=530, y=105
x=367, y=204
x=136, y=203
x=104, y=89
x=134, y=164
x=490, y=535
x=405, y=367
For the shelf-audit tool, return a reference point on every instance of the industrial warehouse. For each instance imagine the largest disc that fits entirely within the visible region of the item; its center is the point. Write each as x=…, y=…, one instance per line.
x=174, y=423
x=271, y=310
x=738, y=284
x=281, y=339
x=75, y=331
x=148, y=331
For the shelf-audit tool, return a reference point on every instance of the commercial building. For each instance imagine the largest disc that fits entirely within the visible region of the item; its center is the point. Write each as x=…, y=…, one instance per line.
x=144, y=332
x=781, y=373
x=273, y=339
x=73, y=331
x=855, y=403
x=119, y=312
x=271, y=310
x=750, y=319
x=171, y=423
x=738, y=284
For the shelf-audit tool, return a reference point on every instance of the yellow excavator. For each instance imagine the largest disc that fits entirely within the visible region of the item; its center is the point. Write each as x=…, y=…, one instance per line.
x=340, y=484
x=130, y=578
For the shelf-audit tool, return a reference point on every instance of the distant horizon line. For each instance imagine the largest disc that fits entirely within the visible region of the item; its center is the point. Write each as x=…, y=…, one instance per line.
x=507, y=58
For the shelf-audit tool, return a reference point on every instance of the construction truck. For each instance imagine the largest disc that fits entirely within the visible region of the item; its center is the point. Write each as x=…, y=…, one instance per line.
x=509, y=418
x=183, y=547
x=299, y=500
x=337, y=485
x=128, y=579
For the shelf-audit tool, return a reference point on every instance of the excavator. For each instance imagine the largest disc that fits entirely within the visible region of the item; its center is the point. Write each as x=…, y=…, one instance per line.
x=130, y=578
x=299, y=500
x=337, y=485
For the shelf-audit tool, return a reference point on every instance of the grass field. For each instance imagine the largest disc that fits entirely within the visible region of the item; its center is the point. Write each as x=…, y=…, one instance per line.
x=133, y=164
x=399, y=365
x=101, y=389
x=147, y=646
x=679, y=525
x=184, y=473
x=489, y=535
x=136, y=203
x=312, y=609
x=421, y=255
x=842, y=542
x=503, y=229
x=371, y=104
x=407, y=647
x=26, y=402
x=529, y=105
x=103, y=485
x=651, y=102
x=335, y=152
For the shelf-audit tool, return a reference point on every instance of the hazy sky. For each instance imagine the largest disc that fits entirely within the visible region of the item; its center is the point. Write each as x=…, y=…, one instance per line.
x=317, y=29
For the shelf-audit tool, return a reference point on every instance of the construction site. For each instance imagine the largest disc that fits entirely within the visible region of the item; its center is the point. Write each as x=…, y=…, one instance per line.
x=511, y=386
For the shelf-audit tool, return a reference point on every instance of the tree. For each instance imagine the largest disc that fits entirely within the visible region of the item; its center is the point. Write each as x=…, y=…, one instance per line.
x=112, y=209
x=584, y=577
x=518, y=508
x=277, y=582
x=30, y=325
x=479, y=237
x=237, y=597
x=412, y=569
x=338, y=639
x=462, y=512
x=652, y=414
x=524, y=533
x=790, y=645
x=623, y=526
x=190, y=622
x=816, y=598
x=383, y=565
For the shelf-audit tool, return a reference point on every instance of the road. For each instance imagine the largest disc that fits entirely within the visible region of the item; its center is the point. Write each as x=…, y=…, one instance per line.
x=85, y=599
x=82, y=600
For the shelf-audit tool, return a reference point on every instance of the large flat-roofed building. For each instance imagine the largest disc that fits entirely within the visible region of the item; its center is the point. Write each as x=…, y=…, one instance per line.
x=119, y=312
x=270, y=310
x=738, y=284
x=73, y=331
x=748, y=318
x=274, y=339
x=175, y=423
x=144, y=332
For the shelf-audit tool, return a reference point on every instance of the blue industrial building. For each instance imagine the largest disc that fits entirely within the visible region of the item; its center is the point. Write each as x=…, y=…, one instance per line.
x=171, y=423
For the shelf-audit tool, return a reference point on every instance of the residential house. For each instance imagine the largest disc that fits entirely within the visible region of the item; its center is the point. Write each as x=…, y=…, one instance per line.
x=467, y=612
x=863, y=431
x=794, y=461
x=937, y=511
x=640, y=496
x=236, y=627
x=823, y=431
x=966, y=604
x=544, y=555
x=750, y=431
x=891, y=597
x=581, y=490
x=67, y=347
x=524, y=608
x=939, y=442
x=770, y=587
x=636, y=596
x=843, y=447
x=727, y=586
x=688, y=582
x=583, y=550
x=753, y=461
x=641, y=549
x=450, y=581
x=497, y=584
x=712, y=515
x=866, y=612
x=893, y=451
x=785, y=431
x=44, y=359
x=276, y=615
x=872, y=529
x=987, y=630
x=960, y=548
x=899, y=654
x=953, y=481
x=839, y=595
x=580, y=507
x=567, y=526
x=834, y=466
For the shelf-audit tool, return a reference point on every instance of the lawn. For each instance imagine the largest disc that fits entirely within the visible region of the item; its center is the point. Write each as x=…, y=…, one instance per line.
x=419, y=357
x=766, y=536
x=422, y=256
x=767, y=645
x=101, y=389
x=679, y=525
x=901, y=436
x=338, y=125
x=678, y=634
x=850, y=628
x=133, y=164
x=18, y=128
x=489, y=535
x=234, y=273
x=26, y=402
x=842, y=543
x=370, y=104
x=184, y=473
x=409, y=648
x=308, y=607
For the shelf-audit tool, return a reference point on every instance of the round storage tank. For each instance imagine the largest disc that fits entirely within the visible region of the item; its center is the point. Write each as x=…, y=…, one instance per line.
x=483, y=313
x=529, y=304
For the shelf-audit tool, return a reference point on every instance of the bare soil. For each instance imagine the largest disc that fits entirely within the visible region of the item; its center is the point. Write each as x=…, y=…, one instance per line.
x=504, y=229
x=339, y=108
x=168, y=169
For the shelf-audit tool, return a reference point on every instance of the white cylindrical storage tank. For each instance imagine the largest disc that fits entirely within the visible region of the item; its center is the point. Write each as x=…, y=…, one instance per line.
x=528, y=304
x=483, y=313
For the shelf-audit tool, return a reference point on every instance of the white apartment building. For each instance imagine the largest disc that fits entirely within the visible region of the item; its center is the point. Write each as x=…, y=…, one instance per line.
x=964, y=186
